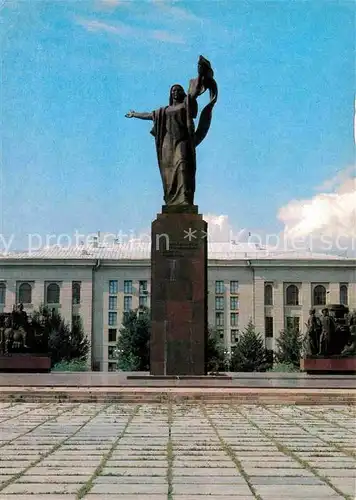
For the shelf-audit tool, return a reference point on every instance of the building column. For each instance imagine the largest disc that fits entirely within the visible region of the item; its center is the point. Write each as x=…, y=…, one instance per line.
x=352, y=294
x=305, y=301
x=10, y=295
x=85, y=312
x=66, y=301
x=333, y=297
x=278, y=310
x=259, y=304
x=38, y=294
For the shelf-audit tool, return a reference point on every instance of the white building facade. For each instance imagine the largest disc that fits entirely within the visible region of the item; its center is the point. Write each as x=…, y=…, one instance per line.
x=244, y=283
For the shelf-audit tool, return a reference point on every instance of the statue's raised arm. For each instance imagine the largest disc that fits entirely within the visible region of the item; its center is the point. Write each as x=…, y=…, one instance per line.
x=176, y=137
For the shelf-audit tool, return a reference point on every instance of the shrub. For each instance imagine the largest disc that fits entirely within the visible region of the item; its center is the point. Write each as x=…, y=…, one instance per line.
x=249, y=354
x=283, y=368
x=64, y=344
x=289, y=346
x=216, y=357
x=133, y=346
x=75, y=365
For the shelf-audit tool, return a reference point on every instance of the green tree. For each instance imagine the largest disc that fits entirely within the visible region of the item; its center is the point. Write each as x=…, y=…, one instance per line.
x=289, y=346
x=133, y=346
x=64, y=343
x=249, y=354
x=216, y=357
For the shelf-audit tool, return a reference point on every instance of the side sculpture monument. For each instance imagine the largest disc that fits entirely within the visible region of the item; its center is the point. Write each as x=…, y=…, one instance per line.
x=23, y=343
x=330, y=342
x=179, y=233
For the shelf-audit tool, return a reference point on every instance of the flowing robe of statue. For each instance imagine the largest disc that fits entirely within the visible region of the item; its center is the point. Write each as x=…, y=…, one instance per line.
x=173, y=129
x=176, y=138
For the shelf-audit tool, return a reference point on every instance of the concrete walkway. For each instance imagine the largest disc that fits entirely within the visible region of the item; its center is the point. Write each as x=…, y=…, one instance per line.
x=176, y=452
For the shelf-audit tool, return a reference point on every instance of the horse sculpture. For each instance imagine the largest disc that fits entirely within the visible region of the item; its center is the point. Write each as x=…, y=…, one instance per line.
x=11, y=338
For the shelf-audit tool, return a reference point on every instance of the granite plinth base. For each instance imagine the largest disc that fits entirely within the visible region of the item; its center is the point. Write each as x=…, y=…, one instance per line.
x=178, y=294
x=336, y=365
x=25, y=363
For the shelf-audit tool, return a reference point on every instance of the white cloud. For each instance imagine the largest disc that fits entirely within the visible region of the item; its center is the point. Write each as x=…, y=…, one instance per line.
x=126, y=31
x=327, y=216
x=177, y=13
x=165, y=36
x=117, y=29
x=219, y=227
x=111, y=3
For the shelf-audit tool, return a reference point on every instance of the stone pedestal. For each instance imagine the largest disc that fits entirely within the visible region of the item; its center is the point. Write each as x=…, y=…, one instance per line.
x=332, y=365
x=25, y=363
x=178, y=293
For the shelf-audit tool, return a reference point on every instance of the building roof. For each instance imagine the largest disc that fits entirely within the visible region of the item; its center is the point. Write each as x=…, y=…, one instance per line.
x=139, y=250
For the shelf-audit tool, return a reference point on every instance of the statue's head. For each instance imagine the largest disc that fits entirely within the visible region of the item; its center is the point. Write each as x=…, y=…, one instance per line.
x=176, y=94
x=20, y=307
x=312, y=311
x=325, y=311
x=7, y=322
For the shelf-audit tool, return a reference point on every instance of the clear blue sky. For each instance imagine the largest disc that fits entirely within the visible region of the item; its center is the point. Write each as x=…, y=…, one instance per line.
x=71, y=70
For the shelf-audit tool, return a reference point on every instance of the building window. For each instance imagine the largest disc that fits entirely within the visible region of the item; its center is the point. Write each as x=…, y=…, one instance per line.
x=112, y=302
x=2, y=293
x=268, y=294
x=234, y=287
x=234, y=319
x=219, y=287
x=113, y=286
x=111, y=352
x=293, y=322
x=75, y=293
x=53, y=293
x=234, y=336
x=292, y=295
x=112, y=367
x=112, y=334
x=319, y=295
x=219, y=319
x=25, y=293
x=127, y=303
x=112, y=318
x=219, y=303
x=143, y=287
x=234, y=303
x=128, y=286
x=142, y=301
x=268, y=326
x=344, y=299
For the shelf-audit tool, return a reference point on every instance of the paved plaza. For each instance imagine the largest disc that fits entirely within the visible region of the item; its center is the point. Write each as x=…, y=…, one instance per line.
x=176, y=452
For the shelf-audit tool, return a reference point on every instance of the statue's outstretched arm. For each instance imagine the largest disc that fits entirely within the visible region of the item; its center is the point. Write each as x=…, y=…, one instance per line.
x=141, y=116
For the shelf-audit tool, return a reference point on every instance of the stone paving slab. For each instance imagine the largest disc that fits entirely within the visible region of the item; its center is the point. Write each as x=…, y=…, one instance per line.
x=91, y=451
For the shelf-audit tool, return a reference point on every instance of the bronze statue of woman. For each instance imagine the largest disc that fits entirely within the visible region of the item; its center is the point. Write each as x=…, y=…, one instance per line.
x=176, y=137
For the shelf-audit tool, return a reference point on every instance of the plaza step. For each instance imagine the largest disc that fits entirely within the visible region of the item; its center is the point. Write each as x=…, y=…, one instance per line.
x=217, y=395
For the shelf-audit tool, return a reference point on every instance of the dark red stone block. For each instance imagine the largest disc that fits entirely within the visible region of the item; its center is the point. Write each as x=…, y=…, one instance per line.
x=25, y=363
x=178, y=294
x=329, y=365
